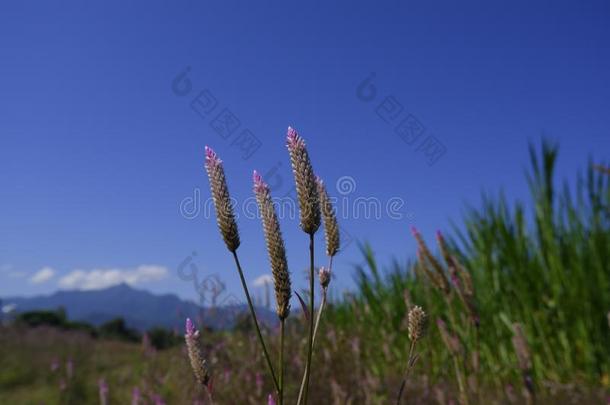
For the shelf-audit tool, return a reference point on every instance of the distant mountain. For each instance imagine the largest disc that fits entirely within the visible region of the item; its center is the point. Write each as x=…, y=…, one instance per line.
x=140, y=309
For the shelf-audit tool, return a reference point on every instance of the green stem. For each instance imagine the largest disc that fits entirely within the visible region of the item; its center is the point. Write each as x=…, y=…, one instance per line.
x=282, y=361
x=315, y=334
x=477, y=361
x=458, y=375
x=311, y=308
x=258, y=330
x=409, y=365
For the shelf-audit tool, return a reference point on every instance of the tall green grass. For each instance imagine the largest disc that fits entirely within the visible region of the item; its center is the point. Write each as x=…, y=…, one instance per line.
x=544, y=264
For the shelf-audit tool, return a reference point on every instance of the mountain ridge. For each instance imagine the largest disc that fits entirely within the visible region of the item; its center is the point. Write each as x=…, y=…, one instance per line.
x=140, y=309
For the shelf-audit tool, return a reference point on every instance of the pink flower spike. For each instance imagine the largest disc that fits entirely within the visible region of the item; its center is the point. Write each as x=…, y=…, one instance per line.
x=291, y=135
x=270, y=400
x=259, y=183
x=414, y=231
x=293, y=140
x=190, y=328
x=211, y=158
x=324, y=276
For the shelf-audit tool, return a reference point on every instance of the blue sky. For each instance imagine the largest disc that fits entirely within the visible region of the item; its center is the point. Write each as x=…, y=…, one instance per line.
x=100, y=140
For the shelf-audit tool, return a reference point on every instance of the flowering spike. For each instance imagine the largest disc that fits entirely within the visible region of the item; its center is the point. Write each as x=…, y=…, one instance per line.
x=190, y=328
x=275, y=246
x=222, y=201
x=417, y=323
x=324, y=275
x=414, y=231
x=438, y=276
x=293, y=138
x=198, y=363
x=331, y=228
x=307, y=191
x=259, y=184
x=270, y=400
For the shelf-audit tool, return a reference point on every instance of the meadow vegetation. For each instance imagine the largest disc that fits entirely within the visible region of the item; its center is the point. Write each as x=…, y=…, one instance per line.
x=515, y=301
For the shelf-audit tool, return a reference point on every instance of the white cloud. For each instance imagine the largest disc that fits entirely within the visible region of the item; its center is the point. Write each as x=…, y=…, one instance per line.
x=101, y=278
x=43, y=275
x=262, y=280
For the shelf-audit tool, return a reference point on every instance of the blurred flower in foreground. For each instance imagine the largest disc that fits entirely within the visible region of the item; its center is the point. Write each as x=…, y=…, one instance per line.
x=198, y=363
x=103, y=388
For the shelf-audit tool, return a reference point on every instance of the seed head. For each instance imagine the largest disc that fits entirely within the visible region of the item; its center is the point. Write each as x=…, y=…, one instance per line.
x=426, y=257
x=275, y=246
x=331, y=228
x=451, y=341
x=417, y=323
x=460, y=278
x=222, y=202
x=307, y=191
x=198, y=363
x=324, y=275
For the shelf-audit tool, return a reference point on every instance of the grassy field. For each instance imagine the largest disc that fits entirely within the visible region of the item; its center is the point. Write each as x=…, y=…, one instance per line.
x=523, y=316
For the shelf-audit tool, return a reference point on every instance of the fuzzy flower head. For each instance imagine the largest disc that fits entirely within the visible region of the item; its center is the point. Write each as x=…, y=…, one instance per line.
x=417, y=323
x=307, y=190
x=198, y=363
x=270, y=400
x=324, y=276
x=275, y=246
x=190, y=328
x=222, y=201
x=331, y=228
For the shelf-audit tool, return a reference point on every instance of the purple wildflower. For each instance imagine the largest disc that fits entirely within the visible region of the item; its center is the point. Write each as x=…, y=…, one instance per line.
x=103, y=388
x=190, y=328
x=198, y=363
x=136, y=395
x=211, y=158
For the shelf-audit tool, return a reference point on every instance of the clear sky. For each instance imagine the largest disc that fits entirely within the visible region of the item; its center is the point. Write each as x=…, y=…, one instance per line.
x=101, y=141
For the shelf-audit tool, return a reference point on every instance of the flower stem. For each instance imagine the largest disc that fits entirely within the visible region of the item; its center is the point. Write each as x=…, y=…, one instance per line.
x=311, y=309
x=315, y=333
x=258, y=330
x=282, y=321
x=409, y=365
x=460, y=380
